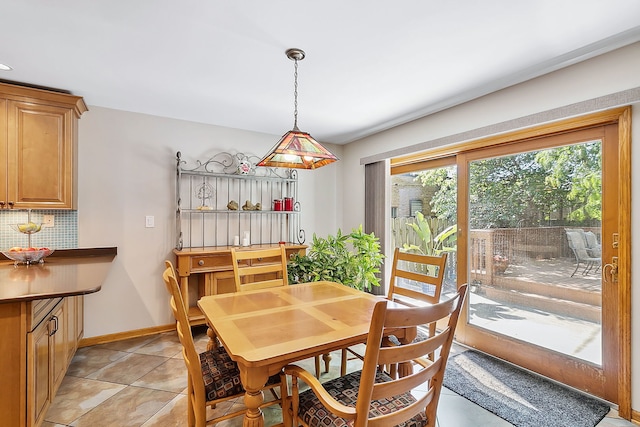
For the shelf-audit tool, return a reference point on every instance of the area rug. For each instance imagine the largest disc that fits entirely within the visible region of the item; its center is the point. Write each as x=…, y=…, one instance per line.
x=520, y=397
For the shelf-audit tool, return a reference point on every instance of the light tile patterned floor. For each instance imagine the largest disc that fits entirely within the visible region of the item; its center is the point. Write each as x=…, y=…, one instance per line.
x=142, y=382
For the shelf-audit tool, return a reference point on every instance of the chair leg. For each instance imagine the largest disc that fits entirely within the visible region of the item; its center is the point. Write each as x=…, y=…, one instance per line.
x=577, y=265
x=317, y=362
x=343, y=362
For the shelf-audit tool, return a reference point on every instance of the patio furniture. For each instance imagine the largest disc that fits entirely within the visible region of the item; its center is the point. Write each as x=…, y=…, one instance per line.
x=578, y=243
x=371, y=397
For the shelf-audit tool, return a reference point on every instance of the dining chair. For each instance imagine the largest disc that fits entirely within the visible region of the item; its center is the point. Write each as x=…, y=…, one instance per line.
x=415, y=280
x=371, y=397
x=212, y=377
x=262, y=268
x=259, y=268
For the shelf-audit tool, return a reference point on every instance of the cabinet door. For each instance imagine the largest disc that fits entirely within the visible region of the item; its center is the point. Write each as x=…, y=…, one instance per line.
x=39, y=386
x=219, y=282
x=79, y=318
x=70, y=333
x=58, y=338
x=3, y=153
x=40, y=156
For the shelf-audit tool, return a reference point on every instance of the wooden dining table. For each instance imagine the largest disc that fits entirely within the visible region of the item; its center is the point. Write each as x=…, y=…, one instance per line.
x=266, y=329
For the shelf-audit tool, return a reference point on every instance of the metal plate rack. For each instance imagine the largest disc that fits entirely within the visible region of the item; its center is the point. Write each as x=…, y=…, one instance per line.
x=228, y=201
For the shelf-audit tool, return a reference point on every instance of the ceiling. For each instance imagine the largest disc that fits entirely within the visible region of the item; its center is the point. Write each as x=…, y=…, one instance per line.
x=370, y=64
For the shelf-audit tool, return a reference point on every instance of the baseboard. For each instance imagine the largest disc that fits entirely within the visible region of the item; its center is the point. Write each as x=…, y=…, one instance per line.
x=635, y=417
x=103, y=339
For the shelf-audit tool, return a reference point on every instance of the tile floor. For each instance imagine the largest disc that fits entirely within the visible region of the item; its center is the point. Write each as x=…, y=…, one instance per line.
x=142, y=381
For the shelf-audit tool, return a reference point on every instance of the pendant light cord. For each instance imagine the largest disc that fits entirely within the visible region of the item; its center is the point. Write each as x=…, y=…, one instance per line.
x=295, y=95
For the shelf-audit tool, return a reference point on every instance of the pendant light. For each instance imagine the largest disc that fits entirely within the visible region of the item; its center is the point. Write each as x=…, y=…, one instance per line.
x=297, y=149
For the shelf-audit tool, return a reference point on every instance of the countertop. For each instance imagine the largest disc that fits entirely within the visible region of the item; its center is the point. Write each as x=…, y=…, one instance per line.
x=64, y=273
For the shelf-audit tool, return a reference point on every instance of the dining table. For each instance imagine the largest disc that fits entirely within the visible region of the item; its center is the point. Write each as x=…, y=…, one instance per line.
x=264, y=330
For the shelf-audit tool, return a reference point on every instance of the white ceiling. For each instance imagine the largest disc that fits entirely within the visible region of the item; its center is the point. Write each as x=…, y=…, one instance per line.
x=370, y=64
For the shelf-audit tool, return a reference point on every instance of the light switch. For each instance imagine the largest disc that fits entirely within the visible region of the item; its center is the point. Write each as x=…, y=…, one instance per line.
x=149, y=221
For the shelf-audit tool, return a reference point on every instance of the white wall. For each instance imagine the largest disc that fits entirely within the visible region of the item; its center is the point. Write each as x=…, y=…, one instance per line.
x=610, y=73
x=127, y=171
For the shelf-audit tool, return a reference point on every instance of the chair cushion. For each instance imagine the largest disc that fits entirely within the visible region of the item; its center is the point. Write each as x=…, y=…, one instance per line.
x=222, y=376
x=345, y=391
x=420, y=336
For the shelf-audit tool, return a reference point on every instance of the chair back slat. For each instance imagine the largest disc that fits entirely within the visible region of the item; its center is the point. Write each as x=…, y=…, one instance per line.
x=259, y=268
x=183, y=327
x=425, y=372
x=416, y=270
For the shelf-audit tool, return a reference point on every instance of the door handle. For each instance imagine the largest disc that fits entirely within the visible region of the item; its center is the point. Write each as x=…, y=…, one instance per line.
x=612, y=271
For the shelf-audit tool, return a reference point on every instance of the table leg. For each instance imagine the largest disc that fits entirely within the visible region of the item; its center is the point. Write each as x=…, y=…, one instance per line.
x=253, y=380
x=406, y=368
x=327, y=361
x=213, y=340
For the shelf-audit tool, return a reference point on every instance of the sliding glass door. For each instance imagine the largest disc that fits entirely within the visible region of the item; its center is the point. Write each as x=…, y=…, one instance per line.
x=534, y=224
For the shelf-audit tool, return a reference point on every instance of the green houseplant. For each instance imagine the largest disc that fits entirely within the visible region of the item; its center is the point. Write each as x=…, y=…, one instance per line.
x=352, y=259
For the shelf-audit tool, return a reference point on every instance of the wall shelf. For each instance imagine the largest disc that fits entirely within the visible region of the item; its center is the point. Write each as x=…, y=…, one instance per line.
x=205, y=192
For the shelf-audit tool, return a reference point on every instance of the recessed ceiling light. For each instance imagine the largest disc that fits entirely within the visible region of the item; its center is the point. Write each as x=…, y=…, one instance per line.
x=4, y=67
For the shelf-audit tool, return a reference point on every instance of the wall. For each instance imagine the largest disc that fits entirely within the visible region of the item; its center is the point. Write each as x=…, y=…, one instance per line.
x=126, y=172
x=610, y=73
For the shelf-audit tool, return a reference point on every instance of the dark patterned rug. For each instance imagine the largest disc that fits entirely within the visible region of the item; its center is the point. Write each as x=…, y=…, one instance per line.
x=520, y=397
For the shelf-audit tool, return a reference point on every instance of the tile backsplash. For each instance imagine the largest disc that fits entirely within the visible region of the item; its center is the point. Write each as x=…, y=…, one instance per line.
x=63, y=235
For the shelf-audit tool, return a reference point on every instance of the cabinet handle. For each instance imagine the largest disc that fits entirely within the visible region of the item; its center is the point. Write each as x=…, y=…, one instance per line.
x=201, y=262
x=55, y=328
x=11, y=205
x=2, y=204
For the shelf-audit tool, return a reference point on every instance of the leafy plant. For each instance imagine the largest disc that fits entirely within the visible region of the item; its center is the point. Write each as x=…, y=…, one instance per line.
x=351, y=259
x=431, y=245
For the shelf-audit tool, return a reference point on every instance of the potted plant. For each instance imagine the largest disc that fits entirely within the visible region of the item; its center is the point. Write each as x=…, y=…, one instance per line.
x=500, y=264
x=352, y=259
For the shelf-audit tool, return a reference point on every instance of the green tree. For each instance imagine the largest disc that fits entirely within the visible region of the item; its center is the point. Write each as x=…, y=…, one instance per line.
x=525, y=189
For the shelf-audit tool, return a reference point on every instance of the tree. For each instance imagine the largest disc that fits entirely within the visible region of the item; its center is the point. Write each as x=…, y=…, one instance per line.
x=525, y=189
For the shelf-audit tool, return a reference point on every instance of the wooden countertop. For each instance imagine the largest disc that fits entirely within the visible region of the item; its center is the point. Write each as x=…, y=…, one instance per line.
x=64, y=273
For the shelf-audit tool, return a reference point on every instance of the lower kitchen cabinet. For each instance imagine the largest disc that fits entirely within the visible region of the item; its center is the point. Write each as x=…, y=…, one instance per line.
x=47, y=338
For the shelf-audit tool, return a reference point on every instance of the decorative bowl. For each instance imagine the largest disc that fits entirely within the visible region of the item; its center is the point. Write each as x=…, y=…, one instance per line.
x=26, y=256
x=27, y=227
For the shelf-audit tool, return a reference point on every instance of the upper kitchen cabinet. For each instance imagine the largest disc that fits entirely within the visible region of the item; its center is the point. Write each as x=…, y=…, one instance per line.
x=38, y=135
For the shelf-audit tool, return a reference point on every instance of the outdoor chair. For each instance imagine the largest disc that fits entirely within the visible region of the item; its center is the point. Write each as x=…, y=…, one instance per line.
x=578, y=244
x=416, y=280
x=371, y=397
x=212, y=377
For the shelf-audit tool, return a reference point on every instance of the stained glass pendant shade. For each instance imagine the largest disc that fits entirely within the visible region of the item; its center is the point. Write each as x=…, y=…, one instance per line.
x=297, y=149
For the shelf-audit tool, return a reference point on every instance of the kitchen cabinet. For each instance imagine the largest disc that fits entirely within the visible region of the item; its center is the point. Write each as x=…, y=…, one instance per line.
x=47, y=359
x=40, y=354
x=38, y=139
x=41, y=323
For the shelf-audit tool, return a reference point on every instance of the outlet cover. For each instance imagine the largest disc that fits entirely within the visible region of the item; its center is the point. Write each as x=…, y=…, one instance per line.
x=48, y=220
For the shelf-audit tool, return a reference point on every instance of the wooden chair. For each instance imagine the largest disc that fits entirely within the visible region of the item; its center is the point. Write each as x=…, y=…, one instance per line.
x=371, y=397
x=415, y=280
x=262, y=268
x=259, y=268
x=212, y=376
